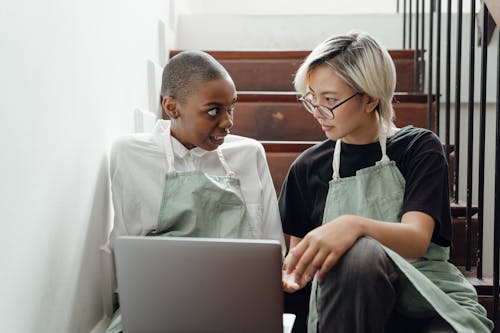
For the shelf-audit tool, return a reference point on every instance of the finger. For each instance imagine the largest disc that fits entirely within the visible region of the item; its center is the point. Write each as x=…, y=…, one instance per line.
x=315, y=265
x=288, y=282
x=327, y=264
x=305, y=260
x=290, y=287
x=293, y=257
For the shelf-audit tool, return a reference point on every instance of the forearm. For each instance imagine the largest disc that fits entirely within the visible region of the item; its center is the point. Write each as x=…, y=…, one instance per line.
x=410, y=238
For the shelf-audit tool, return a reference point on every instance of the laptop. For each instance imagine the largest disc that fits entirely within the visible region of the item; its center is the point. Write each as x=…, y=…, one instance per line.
x=170, y=284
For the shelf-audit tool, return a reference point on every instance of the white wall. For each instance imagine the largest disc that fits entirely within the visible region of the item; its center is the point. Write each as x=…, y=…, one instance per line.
x=72, y=73
x=298, y=7
x=279, y=32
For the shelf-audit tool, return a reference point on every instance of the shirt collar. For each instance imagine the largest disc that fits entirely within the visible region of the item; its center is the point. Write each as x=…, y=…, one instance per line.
x=162, y=129
x=181, y=151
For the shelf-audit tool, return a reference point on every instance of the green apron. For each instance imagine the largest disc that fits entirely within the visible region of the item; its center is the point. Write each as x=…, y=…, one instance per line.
x=195, y=204
x=377, y=192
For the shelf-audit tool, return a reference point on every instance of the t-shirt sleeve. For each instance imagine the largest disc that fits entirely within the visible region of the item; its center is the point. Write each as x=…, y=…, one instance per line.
x=292, y=204
x=427, y=188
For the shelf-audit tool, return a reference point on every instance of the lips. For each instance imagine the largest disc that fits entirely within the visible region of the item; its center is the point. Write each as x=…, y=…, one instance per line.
x=217, y=137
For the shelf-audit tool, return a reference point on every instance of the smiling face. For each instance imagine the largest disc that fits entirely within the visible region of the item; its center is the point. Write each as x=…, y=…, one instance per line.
x=205, y=116
x=355, y=120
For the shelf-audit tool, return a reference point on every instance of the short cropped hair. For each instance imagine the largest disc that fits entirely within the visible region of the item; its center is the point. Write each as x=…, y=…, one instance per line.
x=362, y=63
x=186, y=68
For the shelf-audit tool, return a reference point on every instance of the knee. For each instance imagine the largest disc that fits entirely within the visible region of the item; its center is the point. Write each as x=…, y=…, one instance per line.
x=364, y=263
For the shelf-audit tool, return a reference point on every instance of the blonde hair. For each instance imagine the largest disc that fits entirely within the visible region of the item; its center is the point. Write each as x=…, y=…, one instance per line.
x=362, y=63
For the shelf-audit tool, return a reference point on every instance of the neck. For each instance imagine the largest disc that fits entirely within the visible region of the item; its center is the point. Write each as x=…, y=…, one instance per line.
x=174, y=133
x=365, y=134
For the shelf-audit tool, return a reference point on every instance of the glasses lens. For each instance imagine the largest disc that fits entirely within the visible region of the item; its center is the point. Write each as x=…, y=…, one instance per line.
x=308, y=105
x=325, y=112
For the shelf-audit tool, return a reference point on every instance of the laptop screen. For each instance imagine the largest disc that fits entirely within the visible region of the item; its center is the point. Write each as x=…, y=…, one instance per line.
x=169, y=284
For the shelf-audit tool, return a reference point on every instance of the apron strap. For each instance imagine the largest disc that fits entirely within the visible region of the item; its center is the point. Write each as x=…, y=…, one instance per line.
x=229, y=172
x=382, y=138
x=336, y=160
x=169, y=152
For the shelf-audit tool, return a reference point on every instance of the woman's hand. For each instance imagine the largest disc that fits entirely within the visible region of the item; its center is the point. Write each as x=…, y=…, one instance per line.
x=290, y=283
x=319, y=250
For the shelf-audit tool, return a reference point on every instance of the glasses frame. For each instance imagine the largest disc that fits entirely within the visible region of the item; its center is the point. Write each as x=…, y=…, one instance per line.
x=325, y=111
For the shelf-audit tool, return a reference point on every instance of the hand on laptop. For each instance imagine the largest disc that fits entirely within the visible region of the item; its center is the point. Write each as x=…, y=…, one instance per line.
x=290, y=283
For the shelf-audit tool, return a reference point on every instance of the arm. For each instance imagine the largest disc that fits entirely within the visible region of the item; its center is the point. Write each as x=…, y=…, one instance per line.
x=117, y=183
x=270, y=215
x=323, y=246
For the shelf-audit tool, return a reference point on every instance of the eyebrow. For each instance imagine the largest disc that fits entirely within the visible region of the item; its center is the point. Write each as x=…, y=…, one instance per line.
x=218, y=104
x=212, y=104
x=324, y=92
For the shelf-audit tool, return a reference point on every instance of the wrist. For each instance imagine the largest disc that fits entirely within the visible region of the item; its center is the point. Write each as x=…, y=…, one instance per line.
x=359, y=224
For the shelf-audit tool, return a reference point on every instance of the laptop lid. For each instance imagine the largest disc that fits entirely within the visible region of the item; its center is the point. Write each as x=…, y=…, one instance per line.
x=169, y=284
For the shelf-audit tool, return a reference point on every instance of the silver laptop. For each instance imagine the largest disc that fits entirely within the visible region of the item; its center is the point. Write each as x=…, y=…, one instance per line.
x=169, y=284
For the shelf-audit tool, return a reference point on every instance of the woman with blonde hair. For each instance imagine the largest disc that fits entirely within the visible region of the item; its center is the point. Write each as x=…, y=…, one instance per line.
x=368, y=210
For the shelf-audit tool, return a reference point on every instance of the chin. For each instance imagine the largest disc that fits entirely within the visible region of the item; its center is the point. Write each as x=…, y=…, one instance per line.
x=212, y=144
x=332, y=136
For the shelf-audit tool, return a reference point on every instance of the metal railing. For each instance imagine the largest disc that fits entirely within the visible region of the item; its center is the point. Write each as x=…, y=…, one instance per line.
x=414, y=16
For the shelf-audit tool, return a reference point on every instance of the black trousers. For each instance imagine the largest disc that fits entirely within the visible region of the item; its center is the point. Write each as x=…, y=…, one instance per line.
x=360, y=294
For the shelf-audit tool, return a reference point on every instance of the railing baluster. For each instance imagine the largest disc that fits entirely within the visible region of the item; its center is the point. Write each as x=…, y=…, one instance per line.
x=431, y=48
x=457, y=99
x=448, y=83
x=417, y=47
x=438, y=68
x=422, y=47
x=496, y=222
x=410, y=25
x=404, y=24
x=470, y=138
x=482, y=126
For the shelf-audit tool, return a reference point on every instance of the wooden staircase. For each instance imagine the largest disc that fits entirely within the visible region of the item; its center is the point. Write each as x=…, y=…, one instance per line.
x=268, y=110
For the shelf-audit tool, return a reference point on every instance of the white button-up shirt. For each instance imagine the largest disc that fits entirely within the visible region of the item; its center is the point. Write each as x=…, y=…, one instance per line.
x=138, y=166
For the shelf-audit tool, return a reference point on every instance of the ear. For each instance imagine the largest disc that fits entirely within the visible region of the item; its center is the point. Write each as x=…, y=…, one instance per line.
x=169, y=105
x=370, y=103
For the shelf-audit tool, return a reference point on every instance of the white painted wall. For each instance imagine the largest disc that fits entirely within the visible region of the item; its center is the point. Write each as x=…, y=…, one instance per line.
x=72, y=73
x=297, y=7
x=279, y=32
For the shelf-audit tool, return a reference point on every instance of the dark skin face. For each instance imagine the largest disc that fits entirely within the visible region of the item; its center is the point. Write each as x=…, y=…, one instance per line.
x=206, y=115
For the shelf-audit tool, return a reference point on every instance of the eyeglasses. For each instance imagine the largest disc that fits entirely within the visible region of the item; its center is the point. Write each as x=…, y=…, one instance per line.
x=324, y=110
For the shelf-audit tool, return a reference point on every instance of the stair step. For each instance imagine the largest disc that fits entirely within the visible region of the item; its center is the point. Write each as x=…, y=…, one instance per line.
x=484, y=288
x=275, y=70
x=459, y=209
x=279, y=116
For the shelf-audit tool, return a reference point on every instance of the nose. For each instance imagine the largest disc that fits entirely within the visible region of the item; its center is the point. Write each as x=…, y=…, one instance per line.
x=227, y=119
x=317, y=114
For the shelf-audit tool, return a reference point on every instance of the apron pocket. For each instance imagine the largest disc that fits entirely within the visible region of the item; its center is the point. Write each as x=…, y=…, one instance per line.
x=255, y=213
x=229, y=221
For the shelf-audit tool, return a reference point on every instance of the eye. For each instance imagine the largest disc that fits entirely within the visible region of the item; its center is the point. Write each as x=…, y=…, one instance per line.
x=330, y=100
x=213, y=112
x=231, y=110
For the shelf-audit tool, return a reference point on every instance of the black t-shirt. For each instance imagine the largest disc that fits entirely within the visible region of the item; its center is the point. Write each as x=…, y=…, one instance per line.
x=419, y=156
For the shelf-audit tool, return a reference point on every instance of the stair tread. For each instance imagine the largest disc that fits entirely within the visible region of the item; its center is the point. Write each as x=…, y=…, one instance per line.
x=484, y=286
x=459, y=209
